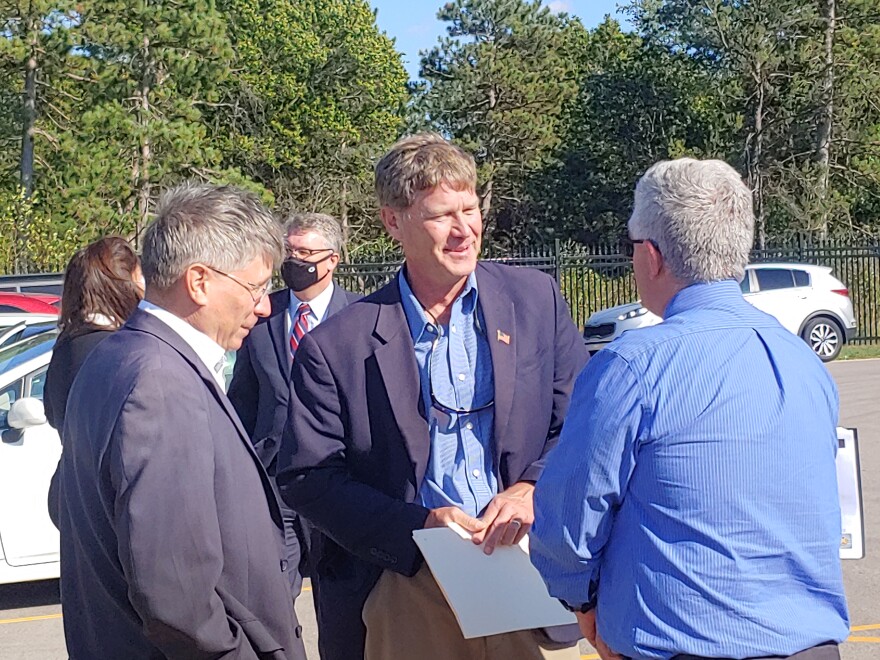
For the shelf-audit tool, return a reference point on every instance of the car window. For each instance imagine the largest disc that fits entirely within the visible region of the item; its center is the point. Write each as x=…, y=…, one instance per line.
x=37, y=383
x=9, y=395
x=9, y=308
x=801, y=278
x=746, y=284
x=774, y=278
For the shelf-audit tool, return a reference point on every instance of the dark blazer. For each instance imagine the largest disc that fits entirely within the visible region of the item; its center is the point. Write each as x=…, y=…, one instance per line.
x=68, y=355
x=170, y=532
x=261, y=375
x=354, y=454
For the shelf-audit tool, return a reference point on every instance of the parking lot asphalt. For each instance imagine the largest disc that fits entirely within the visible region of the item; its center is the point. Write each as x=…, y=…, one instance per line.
x=30, y=613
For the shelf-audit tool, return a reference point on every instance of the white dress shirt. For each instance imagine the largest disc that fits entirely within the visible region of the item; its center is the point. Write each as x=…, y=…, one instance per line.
x=208, y=351
x=318, y=306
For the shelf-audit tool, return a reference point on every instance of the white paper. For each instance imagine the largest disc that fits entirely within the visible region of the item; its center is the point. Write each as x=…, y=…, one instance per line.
x=489, y=594
x=849, y=487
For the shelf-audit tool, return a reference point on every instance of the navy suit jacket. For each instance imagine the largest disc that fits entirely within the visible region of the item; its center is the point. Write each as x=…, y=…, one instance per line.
x=261, y=376
x=355, y=451
x=170, y=530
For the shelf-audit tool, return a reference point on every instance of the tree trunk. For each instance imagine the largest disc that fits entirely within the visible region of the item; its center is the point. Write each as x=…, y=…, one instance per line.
x=29, y=119
x=143, y=182
x=826, y=124
x=756, y=175
x=343, y=218
x=26, y=166
x=486, y=196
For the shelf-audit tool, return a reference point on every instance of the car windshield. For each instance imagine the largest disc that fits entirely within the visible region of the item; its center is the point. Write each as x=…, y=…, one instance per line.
x=27, y=349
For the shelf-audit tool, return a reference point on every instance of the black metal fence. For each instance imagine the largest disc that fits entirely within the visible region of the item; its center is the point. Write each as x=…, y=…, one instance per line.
x=594, y=277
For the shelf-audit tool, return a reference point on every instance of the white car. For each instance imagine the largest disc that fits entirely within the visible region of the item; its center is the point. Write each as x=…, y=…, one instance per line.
x=806, y=299
x=15, y=326
x=29, y=453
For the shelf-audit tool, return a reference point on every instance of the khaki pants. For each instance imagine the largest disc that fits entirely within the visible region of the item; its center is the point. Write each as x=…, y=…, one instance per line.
x=408, y=618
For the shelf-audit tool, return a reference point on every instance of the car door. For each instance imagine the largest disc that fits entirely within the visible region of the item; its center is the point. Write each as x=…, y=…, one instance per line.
x=28, y=459
x=775, y=290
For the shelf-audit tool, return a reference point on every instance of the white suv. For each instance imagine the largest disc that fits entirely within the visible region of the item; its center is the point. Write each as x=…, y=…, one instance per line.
x=806, y=299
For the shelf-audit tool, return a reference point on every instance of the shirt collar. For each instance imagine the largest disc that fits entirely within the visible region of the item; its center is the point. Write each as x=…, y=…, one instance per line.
x=416, y=316
x=208, y=351
x=318, y=304
x=723, y=294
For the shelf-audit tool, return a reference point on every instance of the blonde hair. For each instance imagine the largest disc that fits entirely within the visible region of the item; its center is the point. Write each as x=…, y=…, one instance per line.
x=420, y=162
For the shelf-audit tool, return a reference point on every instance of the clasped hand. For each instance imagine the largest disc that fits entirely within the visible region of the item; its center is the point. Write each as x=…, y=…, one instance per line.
x=505, y=521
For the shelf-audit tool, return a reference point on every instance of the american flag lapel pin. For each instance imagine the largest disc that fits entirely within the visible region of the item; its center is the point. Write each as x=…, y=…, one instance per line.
x=503, y=337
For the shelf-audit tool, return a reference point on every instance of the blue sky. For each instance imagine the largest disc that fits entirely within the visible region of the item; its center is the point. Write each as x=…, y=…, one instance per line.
x=414, y=24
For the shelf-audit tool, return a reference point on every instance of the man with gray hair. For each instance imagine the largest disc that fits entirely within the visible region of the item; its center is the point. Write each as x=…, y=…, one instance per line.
x=261, y=376
x=690, y=509
x=170, y=531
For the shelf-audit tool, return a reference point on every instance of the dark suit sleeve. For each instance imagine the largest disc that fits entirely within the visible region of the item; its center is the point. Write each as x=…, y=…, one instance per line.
x=244, y=388
x=570, y=355
x=314, y=479
x=162, y=471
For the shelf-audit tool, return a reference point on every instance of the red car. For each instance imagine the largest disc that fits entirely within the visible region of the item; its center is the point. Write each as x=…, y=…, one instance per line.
x=41, y=303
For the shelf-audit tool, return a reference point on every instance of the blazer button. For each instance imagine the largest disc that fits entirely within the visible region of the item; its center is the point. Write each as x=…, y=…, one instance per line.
x=283, y=565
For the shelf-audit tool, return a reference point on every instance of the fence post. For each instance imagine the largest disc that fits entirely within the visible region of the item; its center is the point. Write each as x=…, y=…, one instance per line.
x=557, y=261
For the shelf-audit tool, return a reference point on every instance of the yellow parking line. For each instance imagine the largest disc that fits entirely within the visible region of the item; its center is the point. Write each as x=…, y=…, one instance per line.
x=873, y=626
x=25, y=619
x=864, y=640
x=594, y=656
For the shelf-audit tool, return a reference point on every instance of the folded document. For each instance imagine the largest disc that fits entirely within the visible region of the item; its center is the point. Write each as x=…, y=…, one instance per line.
x=489, y=594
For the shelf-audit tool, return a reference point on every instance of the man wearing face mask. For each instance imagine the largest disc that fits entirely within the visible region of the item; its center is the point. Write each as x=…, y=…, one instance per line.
x=260, y=379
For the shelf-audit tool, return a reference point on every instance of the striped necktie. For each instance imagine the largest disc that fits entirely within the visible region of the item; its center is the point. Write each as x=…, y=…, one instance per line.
x=300, y=328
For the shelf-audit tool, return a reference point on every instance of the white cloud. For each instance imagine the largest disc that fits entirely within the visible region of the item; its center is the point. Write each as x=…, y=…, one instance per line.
x=559, y=6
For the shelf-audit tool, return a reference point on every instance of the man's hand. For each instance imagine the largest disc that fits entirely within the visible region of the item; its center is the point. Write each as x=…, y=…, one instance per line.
x=444, y=515
x=587, y=623
x=508, y=517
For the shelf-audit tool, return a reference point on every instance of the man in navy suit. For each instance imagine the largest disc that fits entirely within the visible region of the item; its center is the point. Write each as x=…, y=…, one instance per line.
x=171, y=535
x=434, y=400
x=261, y=375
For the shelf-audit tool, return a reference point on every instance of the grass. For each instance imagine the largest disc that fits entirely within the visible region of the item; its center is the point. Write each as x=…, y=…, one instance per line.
x=859, y=352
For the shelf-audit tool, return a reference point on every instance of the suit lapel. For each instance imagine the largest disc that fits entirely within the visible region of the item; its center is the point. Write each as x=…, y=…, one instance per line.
x=338, y=301
x=400, y=374
x=500, y=320
x=278, y=330
x=146, y=322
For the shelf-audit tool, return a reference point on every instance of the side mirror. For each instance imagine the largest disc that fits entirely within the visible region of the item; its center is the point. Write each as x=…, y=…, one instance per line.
x=25, y=413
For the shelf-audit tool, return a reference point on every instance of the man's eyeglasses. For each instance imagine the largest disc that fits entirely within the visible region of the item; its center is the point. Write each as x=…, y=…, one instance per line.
x=256, y=291
x=442, y=407
x=629, y=245
x=305, y=253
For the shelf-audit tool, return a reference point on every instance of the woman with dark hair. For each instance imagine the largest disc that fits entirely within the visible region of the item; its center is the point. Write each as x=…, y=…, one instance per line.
x=103, y=285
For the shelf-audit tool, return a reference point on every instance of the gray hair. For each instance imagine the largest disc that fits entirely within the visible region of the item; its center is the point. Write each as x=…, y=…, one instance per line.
x=419, y=162
x=325, y=225
x=699, y=214
x=220, y=226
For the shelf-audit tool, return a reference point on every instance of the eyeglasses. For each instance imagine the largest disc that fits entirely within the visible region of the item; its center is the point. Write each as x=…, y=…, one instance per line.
x=442, y=407
x=629, y=245
x=305, y=253
x=256, y=291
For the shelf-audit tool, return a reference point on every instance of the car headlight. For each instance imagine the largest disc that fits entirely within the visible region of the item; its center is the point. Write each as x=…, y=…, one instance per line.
x=633, y=314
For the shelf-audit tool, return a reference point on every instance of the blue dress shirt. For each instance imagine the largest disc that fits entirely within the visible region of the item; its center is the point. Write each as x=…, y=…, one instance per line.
x=455, y=361
x=695, y=483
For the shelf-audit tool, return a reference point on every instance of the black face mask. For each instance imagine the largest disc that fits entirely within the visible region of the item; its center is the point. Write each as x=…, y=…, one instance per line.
x=299, y=275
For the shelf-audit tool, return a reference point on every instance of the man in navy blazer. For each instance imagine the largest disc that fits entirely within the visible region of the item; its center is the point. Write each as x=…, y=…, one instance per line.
x=261, y=375
x=434, y=400
x=171, y=534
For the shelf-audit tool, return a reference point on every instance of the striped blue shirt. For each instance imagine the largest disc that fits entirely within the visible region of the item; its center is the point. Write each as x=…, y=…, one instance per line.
x=695, y=483
x=454, y=360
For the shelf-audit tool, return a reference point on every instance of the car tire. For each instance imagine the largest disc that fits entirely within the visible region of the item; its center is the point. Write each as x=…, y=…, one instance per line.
x=824, y=336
